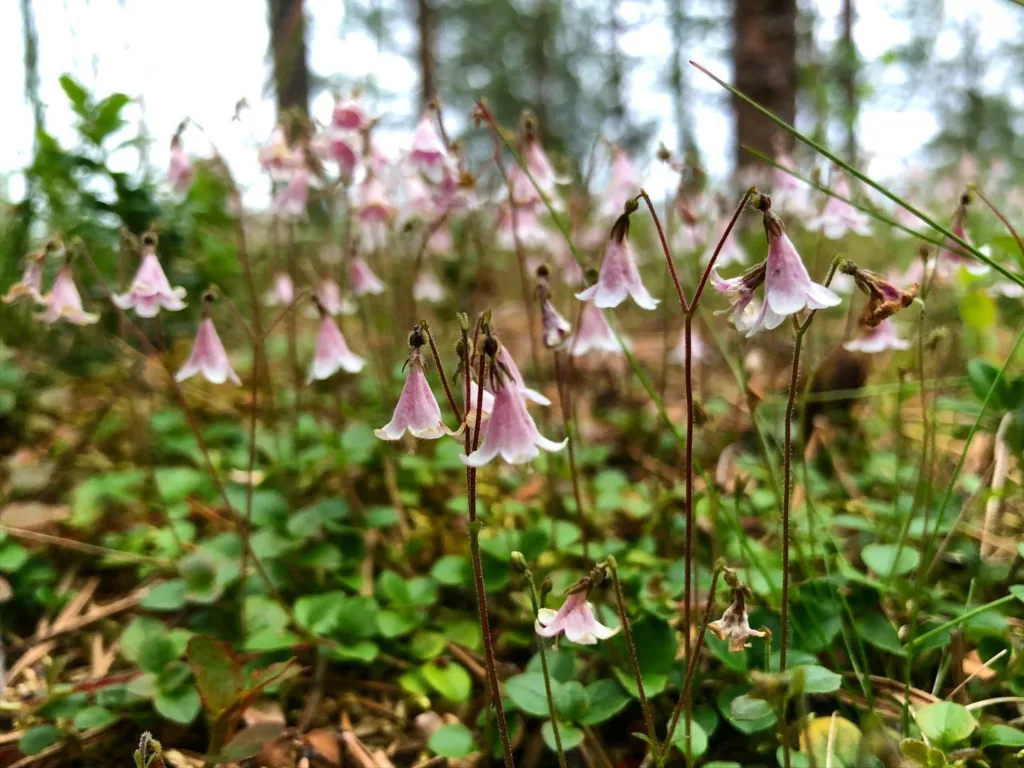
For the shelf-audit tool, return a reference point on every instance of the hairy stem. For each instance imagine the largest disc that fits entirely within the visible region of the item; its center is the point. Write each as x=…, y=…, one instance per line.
x=565, y=402
x=535, y=601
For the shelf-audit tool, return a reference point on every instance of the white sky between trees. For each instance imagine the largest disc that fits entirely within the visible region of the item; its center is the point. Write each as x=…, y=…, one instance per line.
x=197, y=58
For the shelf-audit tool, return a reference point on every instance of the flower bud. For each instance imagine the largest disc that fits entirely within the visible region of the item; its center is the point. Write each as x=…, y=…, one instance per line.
x=519, y=562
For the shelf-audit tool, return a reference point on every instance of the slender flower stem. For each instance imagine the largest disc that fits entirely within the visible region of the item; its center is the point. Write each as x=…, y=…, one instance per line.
x=1000, y=216
x=249, y=482
x=535, y=602
x=691, y=666
x=478, y=573
x=440, y=372
x=613, y=569
x=565, y=401
x=668, y=254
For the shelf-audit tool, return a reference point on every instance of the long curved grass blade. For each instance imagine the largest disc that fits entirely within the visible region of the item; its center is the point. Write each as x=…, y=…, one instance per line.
x=862, y=208
x=1019, y=279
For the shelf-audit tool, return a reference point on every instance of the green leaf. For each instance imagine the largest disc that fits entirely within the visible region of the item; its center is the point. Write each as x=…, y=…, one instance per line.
x=427, y=645
x=945, y=722
x=177, y=484
x=982, y=375
x=1017, y=590
x=156, y=652
x=570, y=700
x=561, y=664
x=271, y=640
x=262, y=612
x=218, y=675
x=362, y=651
x=76, y=94
x=452, y=570
x=449, y=679
x=654, y=682
x=94, y=717
x=181, y=705
x=656, y=645
x=1002, y=736
x=165, y=596
x=877, y=630
x=881, y=557
x=820, y=680
x=12, y=556
x=249, y=742
x=320, y=614
x=978, y=310
x=527, y=692
x=36, y=739
x=698, y=738
x=748, y=708
x=453, y=741
x=605, y=699
x=571, y=737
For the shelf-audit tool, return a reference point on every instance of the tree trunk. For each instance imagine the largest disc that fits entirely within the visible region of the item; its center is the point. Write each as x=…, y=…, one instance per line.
x=425, y=26
x=287, y=22
x=764, y=60
x=848, y=80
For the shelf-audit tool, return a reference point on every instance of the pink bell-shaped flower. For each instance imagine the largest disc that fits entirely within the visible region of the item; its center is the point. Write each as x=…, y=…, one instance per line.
x=277, y=158
x=788, y=288
x=594, y=334
x=486, y=405
x=364, y=281
x=290, y=202
x=332, y=353
x=527, y=228
x=881, y=338
x=697, y=352
x=63, y=302
x=348, y=114
x=429, y=155
x=208, y=357
x=342, y=146
x=31, y=283
x=624, y=184
x=619, y=276
x=555, y=329
x=576, y=619
x=417, y=410
x=329, y=295
x=505, y=358
x=428, y=288
x=179, y=169
x=510, y=432
x=953, y=255
x=281, y=292
x=839, y=218
x=374, y=213
x=151, y=291
x=740, y=290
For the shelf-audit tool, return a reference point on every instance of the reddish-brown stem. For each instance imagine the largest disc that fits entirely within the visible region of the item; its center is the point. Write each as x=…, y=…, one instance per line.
x=718, y=248
x=249, y=482
x=787, y=490
x=440, y=372
x=634, y=662
x=1001, y=217
x=668, y=253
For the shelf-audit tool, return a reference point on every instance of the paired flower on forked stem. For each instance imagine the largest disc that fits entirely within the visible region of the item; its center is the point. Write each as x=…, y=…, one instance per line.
x=208, y=356
x=619, y=276
x=151, y=291
x=510, y=431
x=332, y=351
x=417, y=410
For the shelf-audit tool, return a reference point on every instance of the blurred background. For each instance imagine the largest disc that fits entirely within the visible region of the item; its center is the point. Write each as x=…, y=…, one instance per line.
x=890, y=84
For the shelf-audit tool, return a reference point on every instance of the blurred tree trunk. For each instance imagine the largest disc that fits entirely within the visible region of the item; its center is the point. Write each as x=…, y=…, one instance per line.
x=426, y=19
x=764, y=62
x=287, y=22
x=677, y=81
x=849, y=64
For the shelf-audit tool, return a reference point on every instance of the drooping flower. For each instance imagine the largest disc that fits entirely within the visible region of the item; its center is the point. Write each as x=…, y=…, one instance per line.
x=594, y=334
x=290, y=202
x=525, y=226
x=1006, y=289
x=208, y=356
x=734, y=625
x=510, y=432
x=281, y=292
x=151, y=291
x=31, y=284
x=375, y=211
x=576, y=619
x=277, y=158
x=329, y=295
x=697, y=351
x=364, y=281
x=619, y=276
x=838, y=218
x=417, y=410
x=332, y=353
x=555, y=329
x=509, y=364
x=788, y=288
x=624, y=184
x=878, y=338
x=348, y=114
x=63, y=302
x=179, y=169
x=427, y=287
x=953, y=255
x=884, y=298
x=740, y=290
x=341, y=145
x=523, y=190
x=429, y=155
